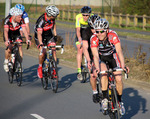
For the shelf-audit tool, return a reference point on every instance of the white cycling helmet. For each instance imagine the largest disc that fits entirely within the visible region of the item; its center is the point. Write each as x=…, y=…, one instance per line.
x=52, y=11
x=101, y=24
x=15, y=11
x=92, y=19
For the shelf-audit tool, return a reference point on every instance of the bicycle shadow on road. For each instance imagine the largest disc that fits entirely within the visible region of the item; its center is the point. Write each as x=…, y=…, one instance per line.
x=66, y=82
x=30, y=75
x=133, y=103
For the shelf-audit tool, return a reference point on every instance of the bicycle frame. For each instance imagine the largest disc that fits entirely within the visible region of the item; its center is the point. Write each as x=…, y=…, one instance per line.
x=113, y=106
x=50, y=69
x=15, y=63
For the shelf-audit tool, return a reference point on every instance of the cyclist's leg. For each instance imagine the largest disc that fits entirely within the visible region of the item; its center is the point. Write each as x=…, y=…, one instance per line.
x=93, y=83
x=41, y=58
x=119, y=82
x=79, y=54
x=7, y=56
x=79, y=60
x=104, y=86
x=104, y=80
x=115, y=63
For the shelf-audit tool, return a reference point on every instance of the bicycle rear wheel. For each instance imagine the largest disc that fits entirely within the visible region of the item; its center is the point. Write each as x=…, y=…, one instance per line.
x=84, y=72
x=115, y=113
x=10, y=74
x=54, y=77
x=18, y=72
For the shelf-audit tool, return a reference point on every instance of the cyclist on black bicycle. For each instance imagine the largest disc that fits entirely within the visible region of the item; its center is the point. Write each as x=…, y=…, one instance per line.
x=106, y=47
x=83, y=33
x=12, y=24
x=44, y=35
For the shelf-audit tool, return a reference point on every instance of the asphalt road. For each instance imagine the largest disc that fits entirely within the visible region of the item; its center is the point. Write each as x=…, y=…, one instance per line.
x=73, y=100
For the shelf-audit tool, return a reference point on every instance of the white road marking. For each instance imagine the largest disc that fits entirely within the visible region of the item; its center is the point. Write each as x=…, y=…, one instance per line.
x=37, y=116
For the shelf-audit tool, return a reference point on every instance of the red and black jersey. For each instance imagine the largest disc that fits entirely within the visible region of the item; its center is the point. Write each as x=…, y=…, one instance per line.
x=106, y=47
x=13, y=31
x=44, y=25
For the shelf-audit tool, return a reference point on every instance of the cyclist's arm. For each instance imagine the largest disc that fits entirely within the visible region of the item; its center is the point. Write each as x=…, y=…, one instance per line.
x=78, y=34
x=54, y=30
x=25, y=32
x=28, y=28
x=96, y=57
x=85, y=50
x=120, y=54
x=39, y=35
x=6, y=34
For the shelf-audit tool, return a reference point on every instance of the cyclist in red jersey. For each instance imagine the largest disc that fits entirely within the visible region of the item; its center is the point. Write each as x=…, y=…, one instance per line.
x=43, y=34
x=12, y=24
x=106, y=47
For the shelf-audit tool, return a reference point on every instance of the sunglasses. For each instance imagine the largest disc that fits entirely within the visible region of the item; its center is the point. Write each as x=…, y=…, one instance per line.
x=100, y=31
x=85, y=15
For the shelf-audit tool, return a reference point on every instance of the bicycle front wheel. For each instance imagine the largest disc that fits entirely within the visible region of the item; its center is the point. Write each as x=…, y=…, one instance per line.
x=19, y=71
x=54, y=76
x=115, y=109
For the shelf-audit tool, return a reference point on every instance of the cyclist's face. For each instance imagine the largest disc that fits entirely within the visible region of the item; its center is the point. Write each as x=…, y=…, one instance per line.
x=101, y=33
x=18, y=18
x=85, y=16
x=51, y=17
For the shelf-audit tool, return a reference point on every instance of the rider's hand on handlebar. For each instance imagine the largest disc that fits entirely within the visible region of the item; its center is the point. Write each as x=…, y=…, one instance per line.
x=126, y=69
x=97, y=71
x=55, y=38
x=28, y=42
x=7, y=43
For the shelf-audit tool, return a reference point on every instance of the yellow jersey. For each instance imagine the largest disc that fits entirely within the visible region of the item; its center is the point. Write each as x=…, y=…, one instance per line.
x=80, y=21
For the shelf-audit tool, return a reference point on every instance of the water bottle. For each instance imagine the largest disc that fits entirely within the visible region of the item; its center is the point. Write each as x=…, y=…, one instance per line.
x=50, y=53
x=110, y=94
x=12, y=58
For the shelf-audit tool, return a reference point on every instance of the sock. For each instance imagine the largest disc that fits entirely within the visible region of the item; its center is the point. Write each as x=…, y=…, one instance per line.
x=105, y=94
x=40, y=65
x=119, y=97
x=95, y=91
x=6, y=60
x=79, y=70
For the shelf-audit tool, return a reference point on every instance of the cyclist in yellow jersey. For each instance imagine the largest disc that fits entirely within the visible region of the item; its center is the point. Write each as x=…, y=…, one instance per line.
x=83, y=33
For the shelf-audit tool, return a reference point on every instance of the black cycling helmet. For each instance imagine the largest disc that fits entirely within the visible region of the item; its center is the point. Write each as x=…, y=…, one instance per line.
x=92, y=19
x=86, y=9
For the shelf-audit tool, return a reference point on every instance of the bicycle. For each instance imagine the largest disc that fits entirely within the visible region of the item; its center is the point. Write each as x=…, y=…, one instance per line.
x=84, y=70
x=15, y=63
x=50, y=71
x=113, y=106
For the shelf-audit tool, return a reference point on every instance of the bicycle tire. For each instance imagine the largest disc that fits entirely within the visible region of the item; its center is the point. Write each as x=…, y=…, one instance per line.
x=10, y=75
x=45, y=78
x=54, y=76
x=115, y=112
x=18, y=72
x=84, y=74
x=44, y=82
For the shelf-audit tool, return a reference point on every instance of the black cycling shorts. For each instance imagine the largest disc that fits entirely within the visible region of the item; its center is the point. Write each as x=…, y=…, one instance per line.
x=45, y=40
x=111, y=61
x=86, y=34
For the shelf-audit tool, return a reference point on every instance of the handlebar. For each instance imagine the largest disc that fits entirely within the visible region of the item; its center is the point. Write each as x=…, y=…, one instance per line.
x=113, y=70
x=56, y=46
x=19, y=43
